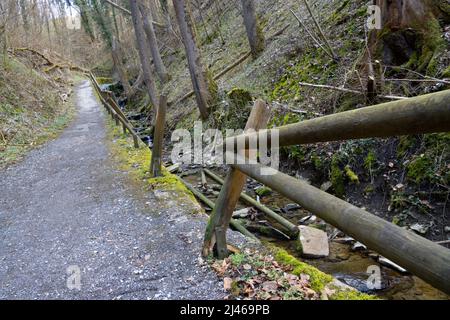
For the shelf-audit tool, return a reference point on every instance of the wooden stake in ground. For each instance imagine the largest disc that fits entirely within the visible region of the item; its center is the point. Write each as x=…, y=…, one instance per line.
x=143, y=53
x=155, y=165
x=202, y=83
x=253, y=28
x=231, y=191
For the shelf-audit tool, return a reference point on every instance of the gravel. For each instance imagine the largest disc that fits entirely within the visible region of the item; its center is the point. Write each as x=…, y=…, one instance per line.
x=72, y=226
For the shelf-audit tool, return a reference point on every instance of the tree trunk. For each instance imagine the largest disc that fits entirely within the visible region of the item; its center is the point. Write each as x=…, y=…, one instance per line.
x=410, y=33
x=254, y=31
x=143, y=54
x=117, y=59
x=203, y=84
x=152, y=41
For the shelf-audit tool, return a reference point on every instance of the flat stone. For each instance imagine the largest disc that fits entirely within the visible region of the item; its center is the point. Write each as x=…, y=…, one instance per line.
x=313, y=242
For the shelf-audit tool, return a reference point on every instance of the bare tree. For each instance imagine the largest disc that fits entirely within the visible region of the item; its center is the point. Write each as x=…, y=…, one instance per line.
x=143, y=53
x=117, y=59
x=253, y=28
x=152, y=41
x=203, y=85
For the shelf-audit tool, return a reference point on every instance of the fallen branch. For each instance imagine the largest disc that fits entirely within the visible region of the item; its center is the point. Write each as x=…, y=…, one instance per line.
x=323, y=86
x=335, y=56
x=292, y=228
x=235, y=224
x=216, y=77
x=311, y=35
x=124, y=10
x=419, y=80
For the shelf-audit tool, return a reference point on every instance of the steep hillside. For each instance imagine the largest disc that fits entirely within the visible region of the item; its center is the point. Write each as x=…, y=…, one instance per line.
x=34, y=105
x=405, y=180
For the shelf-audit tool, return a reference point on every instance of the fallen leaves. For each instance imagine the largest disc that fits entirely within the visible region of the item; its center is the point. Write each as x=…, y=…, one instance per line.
x=252, y=275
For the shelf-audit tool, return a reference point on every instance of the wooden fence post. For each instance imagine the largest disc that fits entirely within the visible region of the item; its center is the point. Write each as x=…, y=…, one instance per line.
x=155, y=165
x=231, y=191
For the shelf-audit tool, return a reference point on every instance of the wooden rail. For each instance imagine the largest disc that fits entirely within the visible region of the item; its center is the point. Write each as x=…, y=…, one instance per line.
x=425, y=114
x=114, y=110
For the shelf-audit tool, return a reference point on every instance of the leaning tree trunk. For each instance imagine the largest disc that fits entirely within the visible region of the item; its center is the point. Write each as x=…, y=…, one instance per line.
x=151, y=37
x=143, y=54
x=253, y=28
x=117, y=59
x=410, y=33
x=203, y=84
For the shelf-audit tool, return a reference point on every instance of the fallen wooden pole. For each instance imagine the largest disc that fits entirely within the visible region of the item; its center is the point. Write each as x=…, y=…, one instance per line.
x=235, y=224
x=292, y=228
x=423, y=114
x=420, y=256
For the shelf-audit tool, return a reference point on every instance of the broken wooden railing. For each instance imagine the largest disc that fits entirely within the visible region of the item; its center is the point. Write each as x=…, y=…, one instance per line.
x=424, y=114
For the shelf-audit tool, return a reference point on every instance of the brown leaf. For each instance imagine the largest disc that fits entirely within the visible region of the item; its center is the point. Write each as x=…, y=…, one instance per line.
x=270, y=286
x=227, y=283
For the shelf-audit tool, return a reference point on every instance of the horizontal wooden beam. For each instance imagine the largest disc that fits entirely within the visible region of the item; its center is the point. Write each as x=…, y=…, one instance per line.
x=420, y=256
x=423, y=114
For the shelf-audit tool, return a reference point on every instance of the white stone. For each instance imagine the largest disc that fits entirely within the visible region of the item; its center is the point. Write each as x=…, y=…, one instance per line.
x=313, y=242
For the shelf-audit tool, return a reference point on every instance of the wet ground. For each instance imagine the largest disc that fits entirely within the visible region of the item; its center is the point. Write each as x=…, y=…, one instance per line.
x=72, y=227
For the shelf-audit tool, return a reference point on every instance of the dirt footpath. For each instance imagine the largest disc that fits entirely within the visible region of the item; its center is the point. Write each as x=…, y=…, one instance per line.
x=72, y=227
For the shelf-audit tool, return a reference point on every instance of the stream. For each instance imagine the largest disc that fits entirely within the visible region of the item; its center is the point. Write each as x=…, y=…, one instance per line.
x=345, y=264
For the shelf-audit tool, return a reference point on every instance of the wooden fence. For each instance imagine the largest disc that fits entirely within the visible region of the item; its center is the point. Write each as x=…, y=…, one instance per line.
x=425, y=114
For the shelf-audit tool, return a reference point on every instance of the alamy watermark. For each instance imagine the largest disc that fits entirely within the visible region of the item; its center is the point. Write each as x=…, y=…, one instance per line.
x=374, y=18
x=211, y=147
x=73, y=281
x=374, y=280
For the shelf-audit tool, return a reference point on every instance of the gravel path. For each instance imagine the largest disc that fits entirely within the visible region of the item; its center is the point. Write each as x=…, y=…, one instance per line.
x=66, y=211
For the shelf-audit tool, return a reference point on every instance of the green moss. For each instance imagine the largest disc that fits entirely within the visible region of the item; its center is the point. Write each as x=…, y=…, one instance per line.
x=263, y=191
x=419, y=170
x=433, y=45
x=446, y=72
x=337, y=177
x=352, y=295
x=136, y=161
x=351, y=175
x=370, y=160
x=318, y=279
x=369, y=189
x=240, y=97
x=404, y=144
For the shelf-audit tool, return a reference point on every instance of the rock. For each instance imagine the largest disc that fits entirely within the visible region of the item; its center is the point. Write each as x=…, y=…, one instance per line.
x=313, y=243
x=419, y=228
x=174, y=168
x=326, y=186
x=358, y=246
x=344, y=240
x=388, y=263
x=243, y=213
x=308, y=219
x=290, y=207
x=263, y=191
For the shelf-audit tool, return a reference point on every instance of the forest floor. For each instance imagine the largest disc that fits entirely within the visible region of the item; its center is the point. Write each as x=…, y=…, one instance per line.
x=66, y=208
